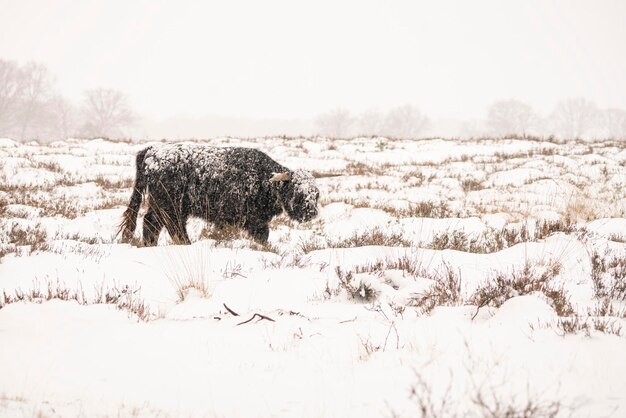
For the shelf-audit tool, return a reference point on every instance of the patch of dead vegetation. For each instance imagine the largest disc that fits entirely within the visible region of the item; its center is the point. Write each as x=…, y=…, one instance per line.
x=26, y=235
x=608, y=274
x=446, y=290
x=114, y=182
x=51, y=166
x=376, y=236
x=494, y=240
x=354, y=289
x=127, y=299
x=426, y=209
x=531, y=278
x=471, y=185
x=604, y=318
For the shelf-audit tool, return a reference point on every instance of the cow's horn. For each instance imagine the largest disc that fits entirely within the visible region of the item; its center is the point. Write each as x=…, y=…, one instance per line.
x=281, y=176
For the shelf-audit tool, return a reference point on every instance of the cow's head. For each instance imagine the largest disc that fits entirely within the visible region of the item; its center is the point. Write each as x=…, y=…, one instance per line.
x=297, y=194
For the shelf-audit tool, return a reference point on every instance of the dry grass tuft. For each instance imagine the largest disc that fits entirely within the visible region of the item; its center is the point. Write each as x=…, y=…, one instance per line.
x=357, y=290
x=529, y=279
x=577, y=324
x=126, y=299
x=445, y=292
x=114, y=183
x=471, y=184
x=581, y=209
x=187, y=268
x=608, y=275
x=34, y=236
x=493, y=240
x=36, y=295
x=428, y=209
x=24, y=239
x=375, y=236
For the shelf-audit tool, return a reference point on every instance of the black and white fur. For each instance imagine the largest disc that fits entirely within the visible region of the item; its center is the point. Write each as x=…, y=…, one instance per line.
x=226, y=186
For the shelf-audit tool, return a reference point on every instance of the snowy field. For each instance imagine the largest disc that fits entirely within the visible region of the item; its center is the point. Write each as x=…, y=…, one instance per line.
x=443, y=278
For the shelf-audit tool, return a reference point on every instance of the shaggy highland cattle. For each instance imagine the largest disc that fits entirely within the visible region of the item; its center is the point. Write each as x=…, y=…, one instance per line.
x=236, y=186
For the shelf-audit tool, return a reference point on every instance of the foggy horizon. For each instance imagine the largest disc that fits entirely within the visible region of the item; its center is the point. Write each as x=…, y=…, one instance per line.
x=275, y=67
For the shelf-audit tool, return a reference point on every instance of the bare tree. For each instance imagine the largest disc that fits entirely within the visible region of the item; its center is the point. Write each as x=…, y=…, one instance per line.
x=575, y=117
x=63, y=117
x=510, y=117
x=33, y=115
x=614, y=123
x=25, y=100
x=106, y=113
x=334, y=123
x=405, y=121
x=370, y=122
x=11, y=88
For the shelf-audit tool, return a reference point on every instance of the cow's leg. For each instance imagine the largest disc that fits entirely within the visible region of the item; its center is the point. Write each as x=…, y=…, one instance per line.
x=177, y=229
x=174, y=209
x=152, y=225
x=260, y=233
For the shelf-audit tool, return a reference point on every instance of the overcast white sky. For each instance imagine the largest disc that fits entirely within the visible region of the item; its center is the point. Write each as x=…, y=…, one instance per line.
x=290, y=59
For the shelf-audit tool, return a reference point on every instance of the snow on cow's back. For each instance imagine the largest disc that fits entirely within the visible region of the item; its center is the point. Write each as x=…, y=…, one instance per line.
x=199, y=156
x=209, y=161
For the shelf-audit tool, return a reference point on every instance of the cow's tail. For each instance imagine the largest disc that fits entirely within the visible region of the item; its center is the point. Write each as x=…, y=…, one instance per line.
x=129, y=218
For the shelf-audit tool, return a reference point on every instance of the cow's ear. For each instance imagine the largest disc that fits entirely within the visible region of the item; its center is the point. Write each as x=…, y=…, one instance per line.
x=286, y=176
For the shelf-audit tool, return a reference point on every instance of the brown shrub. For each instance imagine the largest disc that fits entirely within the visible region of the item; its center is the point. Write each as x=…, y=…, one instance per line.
x=445, y=292
x=375, y=236
x=504, y=286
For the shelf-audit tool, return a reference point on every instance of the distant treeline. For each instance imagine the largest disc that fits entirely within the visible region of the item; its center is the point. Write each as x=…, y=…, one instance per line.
x=571, y=118
x=31, y=107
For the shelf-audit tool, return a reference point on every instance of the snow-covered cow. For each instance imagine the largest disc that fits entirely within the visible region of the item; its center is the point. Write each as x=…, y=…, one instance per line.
x=226, y=186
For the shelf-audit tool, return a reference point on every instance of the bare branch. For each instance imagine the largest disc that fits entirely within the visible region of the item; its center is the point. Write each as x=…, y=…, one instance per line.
x=230, y=310
x=261, y=317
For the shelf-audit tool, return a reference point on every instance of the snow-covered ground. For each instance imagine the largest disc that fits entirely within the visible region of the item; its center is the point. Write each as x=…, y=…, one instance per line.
x=443, y=278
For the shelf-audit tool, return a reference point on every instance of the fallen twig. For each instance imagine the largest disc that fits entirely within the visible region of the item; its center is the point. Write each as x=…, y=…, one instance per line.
x=254, y=316
x=230, y=310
